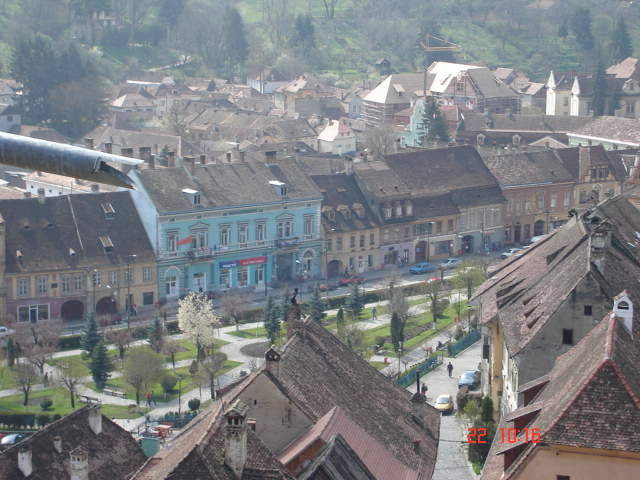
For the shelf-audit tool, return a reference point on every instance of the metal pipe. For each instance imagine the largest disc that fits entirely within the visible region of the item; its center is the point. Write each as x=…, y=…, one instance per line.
x=61, y=159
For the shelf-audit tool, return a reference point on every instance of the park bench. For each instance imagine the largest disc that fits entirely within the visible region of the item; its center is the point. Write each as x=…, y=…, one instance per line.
x=115, y=393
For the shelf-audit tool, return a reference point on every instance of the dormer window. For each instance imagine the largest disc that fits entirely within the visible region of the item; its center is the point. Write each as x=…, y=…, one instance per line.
x=109, y=211
x=72, y=252
x=398, y=209
x=193, y=196
x=279, y=187
x=107, y=244
x=387, y=211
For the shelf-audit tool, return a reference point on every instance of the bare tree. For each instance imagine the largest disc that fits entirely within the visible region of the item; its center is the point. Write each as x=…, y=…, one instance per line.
x=397, y=301
x=39, y=344
x=25, y=376
x=212, y=365
x=170, y=348
x=233, y=305
x=434, y=288
x=380, y=141
x=122, y=339
x=70, y=377
x=330, y=8
x=142, y=368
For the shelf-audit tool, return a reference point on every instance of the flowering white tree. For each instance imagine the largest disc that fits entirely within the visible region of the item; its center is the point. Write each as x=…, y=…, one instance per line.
x=198, y=321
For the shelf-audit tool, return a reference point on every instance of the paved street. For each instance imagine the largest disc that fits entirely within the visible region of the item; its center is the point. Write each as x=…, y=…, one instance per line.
x=452, y=451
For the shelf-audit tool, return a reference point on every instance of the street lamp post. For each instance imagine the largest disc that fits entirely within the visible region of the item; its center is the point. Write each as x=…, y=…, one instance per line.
x=128, y=302
x=400, y=344
x=429, y=227
x=179, y=394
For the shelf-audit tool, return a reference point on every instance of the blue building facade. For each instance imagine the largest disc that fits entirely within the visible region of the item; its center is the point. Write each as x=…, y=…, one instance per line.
x=239, y=226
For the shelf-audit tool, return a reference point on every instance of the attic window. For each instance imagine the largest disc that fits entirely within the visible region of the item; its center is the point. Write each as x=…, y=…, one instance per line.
x=109, y=211
x=107, y=244
x=26, y=226
x=279, y=187
x=72, y=252
x=193, y=196
x=18, y=254
x=552, y=256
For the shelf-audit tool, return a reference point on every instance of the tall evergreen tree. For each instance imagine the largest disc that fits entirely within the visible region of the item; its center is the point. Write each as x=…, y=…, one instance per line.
x=563, y=31
x=355, y=302
x=234, y=48
x=304, y=36
x=271, y=320
x=581, y=27
x=284, y=306
x=101, y=365
x=621, y=46
x=316, y=306
x=90, y=336
x=434, y=125
x=340, y=323
x=397, y=331
x=599, y=103
x=156, y=336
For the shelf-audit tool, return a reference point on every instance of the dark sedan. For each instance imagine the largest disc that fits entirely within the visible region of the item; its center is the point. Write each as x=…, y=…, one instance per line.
x=470, y=378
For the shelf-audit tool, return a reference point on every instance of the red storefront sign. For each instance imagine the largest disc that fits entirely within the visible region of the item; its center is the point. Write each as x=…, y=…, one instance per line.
x=253, y=261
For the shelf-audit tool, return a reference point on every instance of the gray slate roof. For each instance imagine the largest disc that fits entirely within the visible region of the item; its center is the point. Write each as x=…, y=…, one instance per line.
x=527, y=168
x=224, y=185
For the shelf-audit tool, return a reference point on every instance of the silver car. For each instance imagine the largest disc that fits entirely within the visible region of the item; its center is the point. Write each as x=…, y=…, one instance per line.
x=450, y=263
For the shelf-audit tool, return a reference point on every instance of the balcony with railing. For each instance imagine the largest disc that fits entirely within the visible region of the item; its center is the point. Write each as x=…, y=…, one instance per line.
x=216, y=250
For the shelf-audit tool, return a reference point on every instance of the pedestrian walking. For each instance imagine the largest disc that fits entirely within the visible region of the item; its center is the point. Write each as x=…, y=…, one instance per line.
x=148, y=397
x=450, y=369
x=45, y=380
x=374, y=313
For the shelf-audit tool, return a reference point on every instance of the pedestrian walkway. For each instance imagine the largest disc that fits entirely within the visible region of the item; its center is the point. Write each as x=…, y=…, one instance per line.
x=452, y=463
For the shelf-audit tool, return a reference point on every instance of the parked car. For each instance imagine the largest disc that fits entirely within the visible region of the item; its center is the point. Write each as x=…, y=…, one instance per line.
x=469, y=378
x=537, y=238
x=11, y=439
x=510, y=252
x=351, y=280
x=450, y=263
x=326, y=287
x=6, y=331
x=423, y=267
x=444, y=403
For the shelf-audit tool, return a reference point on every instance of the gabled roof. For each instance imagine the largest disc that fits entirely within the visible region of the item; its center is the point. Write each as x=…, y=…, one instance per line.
x=374, y=455
x=528, y=168
x=397, y=88
x=444, y=72
x=591, y=400
x=226, y=185
x=113, y=453
x=337, y=461
x=516, y=122
x=617, y=129
x=334, y=130
x=318, y=372
x=307, y=81
x=291, y=129
x=45, y=232
x=626, y=69
x=598, y=156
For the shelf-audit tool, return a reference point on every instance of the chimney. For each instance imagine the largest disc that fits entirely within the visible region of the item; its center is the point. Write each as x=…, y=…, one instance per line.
x=348, y=165
x=126, y=152
x=203, y=159
x=95, y=419
x=623, y=308
x=57, y=443
x=152, y=161
x=171, y=159
x=27, y=194
x=600, y=243
x=145, y=154
x=418, y=400
x=272, y=361
x=190, y=163
x=295, y=322
x=95, y=187
x=235, y=438
x=416, y=446
x=41, y=196
x=584, y=162
x=25, y=464
x=79, y=460
x=108, y=147
x=88, y=143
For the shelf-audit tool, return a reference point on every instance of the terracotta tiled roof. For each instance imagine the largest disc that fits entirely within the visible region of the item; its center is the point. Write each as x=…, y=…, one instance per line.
x=113, y=453
x=319, y=372
x=372, y=453
x=592, y=399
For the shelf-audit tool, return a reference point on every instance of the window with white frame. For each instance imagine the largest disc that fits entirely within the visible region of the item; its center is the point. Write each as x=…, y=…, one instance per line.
x=261, y=232
x=554, y=200
x=96, y=278
x=43, y=284
x=243, y=276
x=308, y=225
x=147, y=274
x=33, y=313
x=307, y=260
x=225, y=278
x=260, y=274
x=23, y=287
x=243, y=233
x=129, y=274
x=225, y=234
x=78, y=282
x=172, y=287
x=199, y=239
x=172, y=241
x=285, y=228
x=113, y=278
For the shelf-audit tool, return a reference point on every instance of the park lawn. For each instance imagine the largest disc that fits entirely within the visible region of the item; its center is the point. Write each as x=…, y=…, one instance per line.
x=83, y=365
x=7, y=379
x=250, y=333
x=122, y=411
x=190, y=349
x=59, y=396
x=377, y=365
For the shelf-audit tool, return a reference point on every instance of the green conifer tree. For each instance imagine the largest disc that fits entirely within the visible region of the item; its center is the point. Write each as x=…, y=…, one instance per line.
x=340, y=324
x=271, y=320
x=90, y=336
x=100, y=365
x=397, y=333
x=156, y=336
x=599, y=103
x=355, y=301
x=621, y=46
x=317, y=306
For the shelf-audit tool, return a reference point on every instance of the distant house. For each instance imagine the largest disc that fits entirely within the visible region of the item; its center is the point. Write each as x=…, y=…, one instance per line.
x=391, y=96
x=292, y=131
x=266, y=80
x=354, y=101
x=10, y=118
x=337, y=138
x=306, y=85
x=471, y=86
x=559, y=86
x=383, y=66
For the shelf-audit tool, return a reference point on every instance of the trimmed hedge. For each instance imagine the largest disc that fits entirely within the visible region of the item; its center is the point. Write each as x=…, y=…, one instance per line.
x=18, y=420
